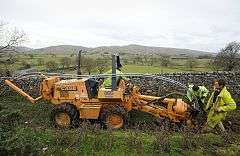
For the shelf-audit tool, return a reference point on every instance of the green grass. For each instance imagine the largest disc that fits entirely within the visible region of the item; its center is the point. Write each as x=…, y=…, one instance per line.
x=25, y=130
x=146, y=69
x=153, y=69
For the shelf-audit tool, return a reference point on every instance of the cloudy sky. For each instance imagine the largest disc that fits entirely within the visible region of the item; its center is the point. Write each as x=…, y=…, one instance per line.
x=194, y=24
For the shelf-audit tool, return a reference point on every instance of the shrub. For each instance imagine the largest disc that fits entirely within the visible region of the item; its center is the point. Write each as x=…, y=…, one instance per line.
x=51, y=65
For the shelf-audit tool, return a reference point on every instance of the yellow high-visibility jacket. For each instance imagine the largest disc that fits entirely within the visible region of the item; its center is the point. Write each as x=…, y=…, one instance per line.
x=224, y=101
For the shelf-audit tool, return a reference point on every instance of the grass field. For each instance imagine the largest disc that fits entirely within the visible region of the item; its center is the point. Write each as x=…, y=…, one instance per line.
x=153, y=69
x=130, y=66
x=25, y=130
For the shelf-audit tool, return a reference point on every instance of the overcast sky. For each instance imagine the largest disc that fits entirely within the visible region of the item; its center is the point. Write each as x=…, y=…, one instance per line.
x=194, y=24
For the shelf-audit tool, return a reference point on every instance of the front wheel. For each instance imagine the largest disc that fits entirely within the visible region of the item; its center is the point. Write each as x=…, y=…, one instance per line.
x=65, y=116
x=114, y=117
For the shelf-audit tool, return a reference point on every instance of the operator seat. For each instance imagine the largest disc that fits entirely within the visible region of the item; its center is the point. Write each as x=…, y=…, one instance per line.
x=92, y=87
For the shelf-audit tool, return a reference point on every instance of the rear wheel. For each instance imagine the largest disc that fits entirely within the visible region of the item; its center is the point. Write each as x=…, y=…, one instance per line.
x=65, y=116
x=114, y=117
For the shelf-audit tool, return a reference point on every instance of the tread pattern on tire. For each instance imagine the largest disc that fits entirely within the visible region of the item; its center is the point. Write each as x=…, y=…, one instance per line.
x=71, y=110
x=114, y=109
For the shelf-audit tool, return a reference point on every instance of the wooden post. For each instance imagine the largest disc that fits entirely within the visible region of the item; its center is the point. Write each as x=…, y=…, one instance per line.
x=79, y=63
x=114, y=76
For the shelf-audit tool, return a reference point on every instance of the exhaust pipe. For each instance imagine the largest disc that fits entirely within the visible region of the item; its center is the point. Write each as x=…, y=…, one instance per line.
x=21, y=92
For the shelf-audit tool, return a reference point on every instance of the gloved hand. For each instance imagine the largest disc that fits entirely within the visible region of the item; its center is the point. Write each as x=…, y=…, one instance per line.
x=203, y=97
x=193, y=112
x=217, y=109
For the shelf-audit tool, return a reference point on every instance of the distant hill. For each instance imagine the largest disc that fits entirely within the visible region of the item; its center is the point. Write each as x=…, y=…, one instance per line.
x=23, y=49
x=139, y=49
x=19, y=49
x=128, y=49
x=60, y=49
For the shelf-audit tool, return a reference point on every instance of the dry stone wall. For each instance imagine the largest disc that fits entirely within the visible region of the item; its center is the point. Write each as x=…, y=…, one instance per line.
x=149, y=85
x=160, y=87
x=30, y=85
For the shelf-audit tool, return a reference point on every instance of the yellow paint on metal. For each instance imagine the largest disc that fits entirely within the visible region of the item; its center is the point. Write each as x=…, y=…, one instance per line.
x=20, y=91
x=75, y=92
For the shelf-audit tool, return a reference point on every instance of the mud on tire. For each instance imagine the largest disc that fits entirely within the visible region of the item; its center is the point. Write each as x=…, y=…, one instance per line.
x=68, y=110
x=114, y=111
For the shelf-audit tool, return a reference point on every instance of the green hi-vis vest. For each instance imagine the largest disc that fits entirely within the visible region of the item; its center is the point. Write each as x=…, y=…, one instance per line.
x=108, y=81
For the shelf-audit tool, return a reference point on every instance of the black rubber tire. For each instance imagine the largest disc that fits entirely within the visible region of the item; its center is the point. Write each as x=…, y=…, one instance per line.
x=114, y=109
x=69, y=109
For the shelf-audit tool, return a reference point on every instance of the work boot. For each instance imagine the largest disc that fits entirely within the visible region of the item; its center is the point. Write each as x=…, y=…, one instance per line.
x=207, y=129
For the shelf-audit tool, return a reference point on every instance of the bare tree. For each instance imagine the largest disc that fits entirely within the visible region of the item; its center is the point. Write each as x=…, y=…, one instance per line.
x=228, y=58
x=53, y=55
x=1, y=26
x=10, y=39
x=138, y=60
x=51, y=65
x=72, y=54
x=89, y=64
x=65, y=62
x=102, y=65
x=25, y=65
x=145, y=59
x=191, y=63
x=31, y=56
x=153, y=60
x=165, y=60
x=40, y=61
